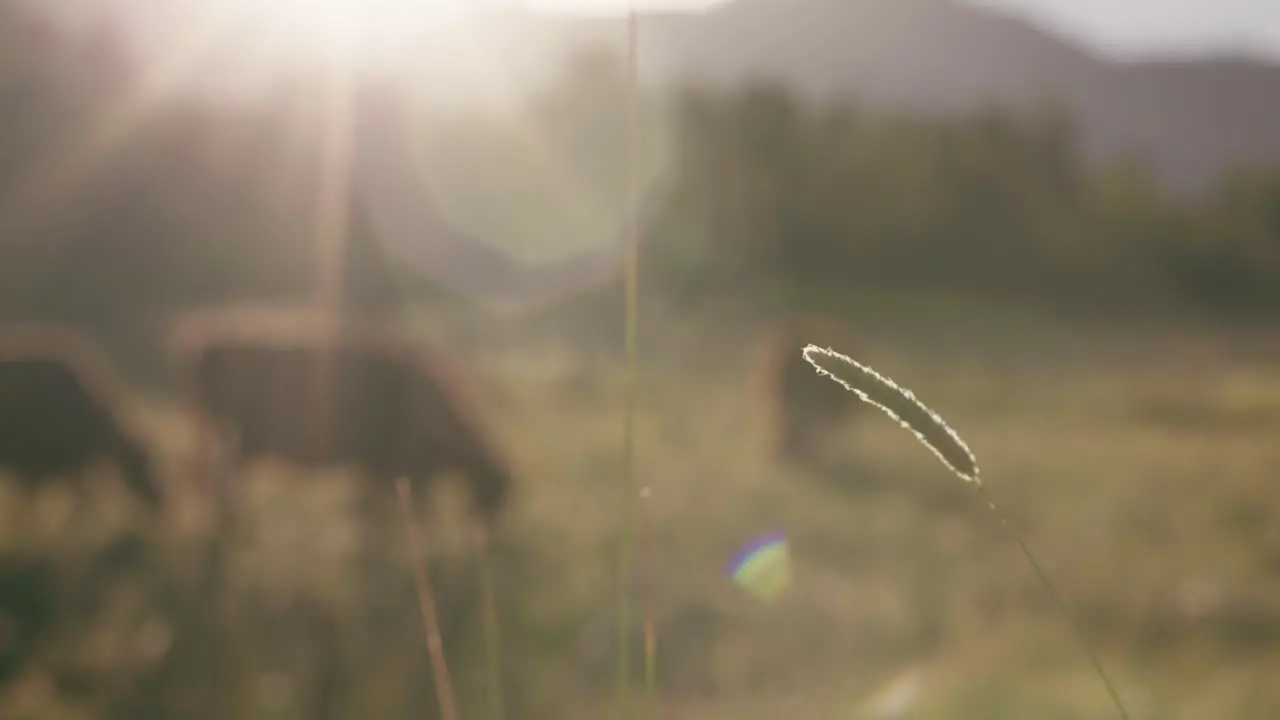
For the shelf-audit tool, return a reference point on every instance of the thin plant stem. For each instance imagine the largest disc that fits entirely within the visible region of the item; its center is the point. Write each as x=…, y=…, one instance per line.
x=426, y=602
x=492, y=638
x=647, y=588
x=629, y=485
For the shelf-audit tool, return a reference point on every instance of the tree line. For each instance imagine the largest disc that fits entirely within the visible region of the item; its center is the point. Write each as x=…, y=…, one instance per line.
x=774, y=201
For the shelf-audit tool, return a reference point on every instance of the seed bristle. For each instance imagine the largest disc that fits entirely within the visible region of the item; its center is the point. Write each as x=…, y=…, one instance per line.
x=902, y=405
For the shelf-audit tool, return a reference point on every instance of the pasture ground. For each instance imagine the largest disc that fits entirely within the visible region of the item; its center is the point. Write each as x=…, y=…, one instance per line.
x=1142, y=474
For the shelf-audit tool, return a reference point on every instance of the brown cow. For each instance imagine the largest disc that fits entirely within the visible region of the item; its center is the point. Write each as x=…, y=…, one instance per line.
x=59, y=400
x=318, y=394
x=804, y=408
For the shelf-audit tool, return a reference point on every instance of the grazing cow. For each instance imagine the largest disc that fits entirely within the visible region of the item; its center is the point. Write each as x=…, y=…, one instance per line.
x=319, y=394
x=58, y=410
x=804, y=408
x=28, y=598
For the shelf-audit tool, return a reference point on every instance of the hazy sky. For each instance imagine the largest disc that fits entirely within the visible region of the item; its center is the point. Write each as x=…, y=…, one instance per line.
x=1136, y=26
x=1122, y=27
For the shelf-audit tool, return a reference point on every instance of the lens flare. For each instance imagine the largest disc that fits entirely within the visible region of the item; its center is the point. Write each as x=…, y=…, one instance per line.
x=763, y=566
x=518, y=205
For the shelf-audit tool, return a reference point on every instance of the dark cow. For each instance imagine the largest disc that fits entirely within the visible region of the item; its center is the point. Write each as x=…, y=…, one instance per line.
x=804, y=408
x=320, y=394
x=28, y=602
x=58, y=410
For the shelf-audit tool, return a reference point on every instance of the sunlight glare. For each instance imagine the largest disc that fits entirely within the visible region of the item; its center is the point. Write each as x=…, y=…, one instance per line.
x=310, y=28
x=259, y=42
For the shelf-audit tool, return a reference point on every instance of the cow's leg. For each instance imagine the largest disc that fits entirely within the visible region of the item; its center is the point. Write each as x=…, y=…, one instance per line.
x=205, y=470
x=380, y=529
x=216, y=462
x=228, y=459
x=380, y=579
x=220, y=463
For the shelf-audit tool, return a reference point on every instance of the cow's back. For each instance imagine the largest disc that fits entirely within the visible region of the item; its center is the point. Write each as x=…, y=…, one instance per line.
x=312, y=403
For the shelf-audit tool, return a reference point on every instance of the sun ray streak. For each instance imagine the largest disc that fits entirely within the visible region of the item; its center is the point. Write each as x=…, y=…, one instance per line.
x=332, y=205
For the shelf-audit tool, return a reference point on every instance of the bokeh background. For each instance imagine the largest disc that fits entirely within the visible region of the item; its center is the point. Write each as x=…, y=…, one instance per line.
x=1072, y=253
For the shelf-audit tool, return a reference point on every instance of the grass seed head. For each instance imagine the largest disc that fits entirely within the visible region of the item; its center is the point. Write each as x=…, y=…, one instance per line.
x=901, y=404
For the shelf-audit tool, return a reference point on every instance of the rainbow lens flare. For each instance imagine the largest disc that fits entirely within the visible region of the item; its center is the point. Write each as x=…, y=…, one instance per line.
x=763, y=566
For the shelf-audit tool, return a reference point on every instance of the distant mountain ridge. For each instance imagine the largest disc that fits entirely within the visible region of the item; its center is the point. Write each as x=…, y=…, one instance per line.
x=1191, y=119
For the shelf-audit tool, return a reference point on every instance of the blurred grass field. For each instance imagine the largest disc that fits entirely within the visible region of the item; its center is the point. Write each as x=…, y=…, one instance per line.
x=1145, y=487
x=1076, y=319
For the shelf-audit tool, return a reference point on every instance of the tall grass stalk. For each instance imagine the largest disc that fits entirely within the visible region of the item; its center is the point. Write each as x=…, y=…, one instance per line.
x=901, y=405
x=426, y=602
x=492, y=638
x=634, y=503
